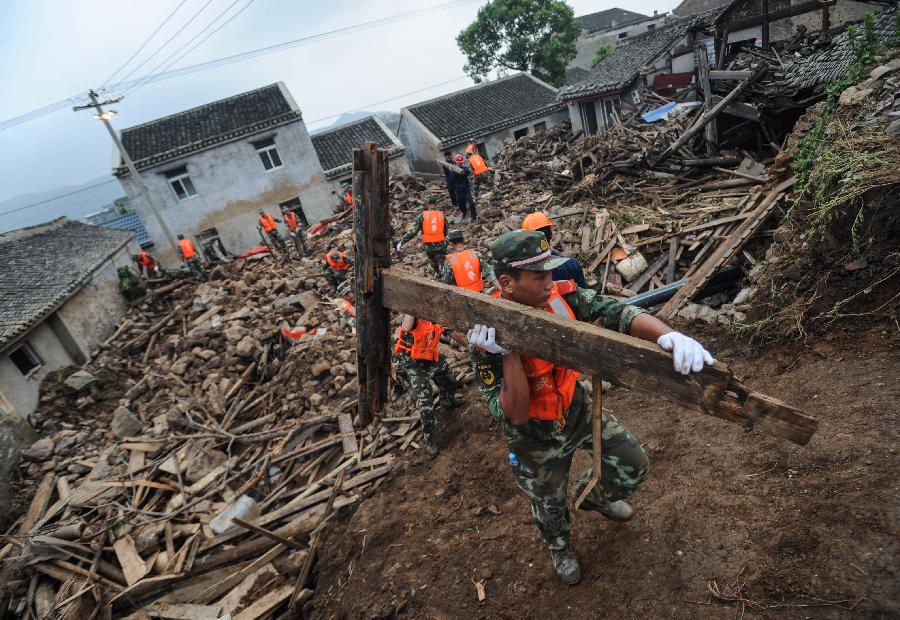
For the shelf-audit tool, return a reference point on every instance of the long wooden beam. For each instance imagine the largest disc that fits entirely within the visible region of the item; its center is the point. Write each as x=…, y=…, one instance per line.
x=621, y=359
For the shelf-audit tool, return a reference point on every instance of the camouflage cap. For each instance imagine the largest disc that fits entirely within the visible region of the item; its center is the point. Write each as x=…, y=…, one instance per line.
x=456, y=236
x=524, y=249
x=345, y=288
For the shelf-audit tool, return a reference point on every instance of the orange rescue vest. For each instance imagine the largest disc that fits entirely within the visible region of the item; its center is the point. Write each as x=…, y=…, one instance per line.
x=349, y=196
x=466, y=270
x=471, y=148
x=267, y=222
x=433, y=227
x=349, y=308
x=477, y=163
x=426, y=336
x=340, y=264
x=145, y=260
x=290, y=219
x=187, y=248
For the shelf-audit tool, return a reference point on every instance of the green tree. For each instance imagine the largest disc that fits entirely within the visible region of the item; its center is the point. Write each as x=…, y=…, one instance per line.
x=521, y=35
x=602, y=52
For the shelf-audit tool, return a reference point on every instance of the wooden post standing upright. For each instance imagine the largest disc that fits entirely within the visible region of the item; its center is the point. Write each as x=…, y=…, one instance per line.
x=372, y=235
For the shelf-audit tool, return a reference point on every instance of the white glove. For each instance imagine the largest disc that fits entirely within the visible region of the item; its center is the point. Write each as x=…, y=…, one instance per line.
x=483, y=337
x=688, y=354
x=399, y=245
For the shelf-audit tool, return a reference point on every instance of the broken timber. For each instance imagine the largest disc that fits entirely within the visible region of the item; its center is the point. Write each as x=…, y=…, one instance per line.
x=621, y=359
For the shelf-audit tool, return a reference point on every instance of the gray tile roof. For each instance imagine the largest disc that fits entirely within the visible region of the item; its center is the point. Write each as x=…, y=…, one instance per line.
x=692, y=7
x=335, y=146
x=609, y=19
x=576, y=74
x=486, y=108
x=207, y=125
x=41, y=266
x=619, y=69
x=820, y=64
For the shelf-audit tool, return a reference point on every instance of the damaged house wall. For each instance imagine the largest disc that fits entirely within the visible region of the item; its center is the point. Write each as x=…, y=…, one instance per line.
x=250, y=152
x=743, y=19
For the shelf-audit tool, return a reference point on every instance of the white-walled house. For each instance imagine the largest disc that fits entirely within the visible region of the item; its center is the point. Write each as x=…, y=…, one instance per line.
x=216, y=165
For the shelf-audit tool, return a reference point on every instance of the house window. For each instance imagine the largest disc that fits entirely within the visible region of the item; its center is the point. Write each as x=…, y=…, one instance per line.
x=588, y=117
x=181, y=183
x=623, y=35
x=651, y=27
x=296, y=206
x=521, y=133
x=25, y=359
x=482, y=150
x=268, y=153
x=540, y=126
x=635, y=97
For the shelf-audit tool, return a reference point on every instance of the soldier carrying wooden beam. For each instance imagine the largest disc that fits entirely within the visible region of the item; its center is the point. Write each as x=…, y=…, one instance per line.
x=545, y=415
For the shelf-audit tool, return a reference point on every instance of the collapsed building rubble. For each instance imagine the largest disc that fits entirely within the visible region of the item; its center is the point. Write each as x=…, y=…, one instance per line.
x=189, y=468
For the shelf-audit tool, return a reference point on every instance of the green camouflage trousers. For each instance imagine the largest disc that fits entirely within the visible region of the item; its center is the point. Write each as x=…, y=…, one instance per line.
x=335, y=276
x=196, y=269
x=486, y=178
x=436, y=253
x=299, y=239
x=420, y=374
x=545, y=458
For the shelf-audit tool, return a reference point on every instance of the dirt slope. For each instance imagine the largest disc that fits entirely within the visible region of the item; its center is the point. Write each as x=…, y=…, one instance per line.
x=783, y=531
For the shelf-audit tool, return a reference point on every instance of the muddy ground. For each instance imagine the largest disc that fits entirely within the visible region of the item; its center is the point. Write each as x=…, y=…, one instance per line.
x=777, y=530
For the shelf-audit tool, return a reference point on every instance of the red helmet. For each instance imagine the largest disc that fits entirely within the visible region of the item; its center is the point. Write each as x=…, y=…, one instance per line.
x=459, y=158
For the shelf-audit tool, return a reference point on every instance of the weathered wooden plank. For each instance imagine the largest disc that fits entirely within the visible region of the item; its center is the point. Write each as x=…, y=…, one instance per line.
x=371, y=225
x=348, y=434
x=132, y=565
x=267, y=603
x=619, y=358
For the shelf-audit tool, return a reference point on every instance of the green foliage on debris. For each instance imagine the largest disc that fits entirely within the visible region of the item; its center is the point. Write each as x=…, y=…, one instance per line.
x=602, y=52
x=835, y=169
x=537, y=36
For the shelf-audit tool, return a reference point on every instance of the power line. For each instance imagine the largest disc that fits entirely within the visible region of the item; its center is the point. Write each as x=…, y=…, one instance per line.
x=144, y=44
x=77, y=191
x=155, y=69
x=80, y=98
x=169, y=40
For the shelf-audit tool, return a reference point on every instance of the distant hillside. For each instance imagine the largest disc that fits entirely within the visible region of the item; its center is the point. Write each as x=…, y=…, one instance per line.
x=391, y=119
x=73, y=201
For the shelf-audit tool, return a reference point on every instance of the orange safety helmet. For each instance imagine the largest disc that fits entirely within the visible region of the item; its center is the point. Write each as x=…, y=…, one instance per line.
x=536, y=221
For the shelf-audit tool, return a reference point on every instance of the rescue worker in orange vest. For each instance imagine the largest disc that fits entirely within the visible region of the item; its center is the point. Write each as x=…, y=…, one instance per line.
x=481, y=173
x=146, y=263
x=545, y=411
x=463, y=266
x=190, y=259
x=336, y=267
x=296, y=230
x=418, y=357
x=348, y=309
x=348, y=195
x=432, y=226
x=267, y=223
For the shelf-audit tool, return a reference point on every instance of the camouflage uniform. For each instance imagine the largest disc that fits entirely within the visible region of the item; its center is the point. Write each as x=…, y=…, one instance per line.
x=486, y=178
x=196, y=269
x=420, y=374
x=447, y=277
x=130, y=285
x=545, y=447
x=336, y=276
x=299, y=237
x=434, y=251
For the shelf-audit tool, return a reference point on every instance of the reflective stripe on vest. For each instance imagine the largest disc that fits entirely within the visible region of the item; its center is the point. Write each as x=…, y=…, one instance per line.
x=187, y=248
x=477, y=163
x=432, y=226
x=466, y=270
x=267, y=222
x=426, y=336
x=552, y=387
x=340, y=264
x=290, y=218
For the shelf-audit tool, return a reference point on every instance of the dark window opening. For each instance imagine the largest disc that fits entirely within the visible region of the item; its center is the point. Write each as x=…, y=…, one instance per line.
x=296, y=206
x=651, y=26
x=521, y=133
x=623, y=35
x=25, y=359
x=589, y=117
x=540, y=126
x=482, y=150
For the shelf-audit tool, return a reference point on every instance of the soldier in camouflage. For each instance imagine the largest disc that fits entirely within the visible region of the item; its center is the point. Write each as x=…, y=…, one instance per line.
x=336, y=267
x=545, y=410
x=457, y=245
x=432, y=227
x=348, y=309
x=418, y=357
x=130, y=285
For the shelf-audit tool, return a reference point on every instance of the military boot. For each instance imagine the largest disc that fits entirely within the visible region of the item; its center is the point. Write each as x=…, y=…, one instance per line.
x=566, y=565
x=619, y=510
x=431, y=447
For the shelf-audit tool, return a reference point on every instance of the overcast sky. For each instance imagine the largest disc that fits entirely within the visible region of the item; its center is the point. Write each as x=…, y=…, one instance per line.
x=53, y=49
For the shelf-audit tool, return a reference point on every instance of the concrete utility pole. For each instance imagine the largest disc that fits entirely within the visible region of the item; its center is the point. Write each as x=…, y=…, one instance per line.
x=104, y=116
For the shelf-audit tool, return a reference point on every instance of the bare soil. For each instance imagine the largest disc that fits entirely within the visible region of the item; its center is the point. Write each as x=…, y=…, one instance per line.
x=729, y=523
